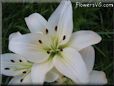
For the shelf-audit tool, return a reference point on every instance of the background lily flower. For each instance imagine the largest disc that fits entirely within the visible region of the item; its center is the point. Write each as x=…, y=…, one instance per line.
x=96, y=77
x=18, y=67
x=52, y=45
x=15, y=65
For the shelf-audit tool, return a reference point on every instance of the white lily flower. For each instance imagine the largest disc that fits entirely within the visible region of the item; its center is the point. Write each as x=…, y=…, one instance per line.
x=18, y=67
x=15, y=65
x=52, y=45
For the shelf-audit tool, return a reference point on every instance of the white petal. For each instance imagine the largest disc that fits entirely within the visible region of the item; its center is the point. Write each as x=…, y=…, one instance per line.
x=11, y=63
x=21, y=80
x=28, y=45
x=15, y=80
x=35, y=22
x=39, y=72
x=62, y=18
x=52, y=75
x=71, y=64
x=83, y=39
x=0, y=79
x=98, y=78
x=88, y=55
x=13, y=35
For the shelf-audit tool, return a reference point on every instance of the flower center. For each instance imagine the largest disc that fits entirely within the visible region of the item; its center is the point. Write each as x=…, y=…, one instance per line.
x=55, y=47
x=25, y=66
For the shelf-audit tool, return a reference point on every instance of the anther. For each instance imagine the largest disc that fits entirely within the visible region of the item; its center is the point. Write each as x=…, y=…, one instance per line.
x=21, y=80
x=6, y=68
x=61, y=49
x=55, y=81
x=64, y=37
x=20, y=60
x=24, y=72
x=55, y=28
x=40, y=41
x=48, y=52
x=46, y=31
x=64, y=76
x=12, y=61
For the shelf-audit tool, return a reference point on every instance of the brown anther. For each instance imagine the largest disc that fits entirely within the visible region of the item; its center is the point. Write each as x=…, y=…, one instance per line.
x=6, y=68
x=20, y=60
x=61, y=49
x=46, y=31
x=40, y=41
x=12, y=61
x=64, y=76
x=64, y=37
x=48, y=52
x=21, y=80
x=55, y=28
x=24, y=71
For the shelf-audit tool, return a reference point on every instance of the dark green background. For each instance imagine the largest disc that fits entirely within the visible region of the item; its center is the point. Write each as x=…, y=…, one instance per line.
x=96, y=19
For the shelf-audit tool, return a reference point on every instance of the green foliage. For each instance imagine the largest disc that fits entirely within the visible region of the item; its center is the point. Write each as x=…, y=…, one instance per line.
x=96, y=19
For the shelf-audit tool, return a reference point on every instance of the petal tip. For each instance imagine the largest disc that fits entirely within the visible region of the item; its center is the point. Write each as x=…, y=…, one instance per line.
x=13, y=35
x=104, y=77
x=97, y=37
x=31, y=16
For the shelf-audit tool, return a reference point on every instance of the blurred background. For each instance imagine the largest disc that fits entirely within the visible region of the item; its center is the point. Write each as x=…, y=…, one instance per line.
x=99, y=20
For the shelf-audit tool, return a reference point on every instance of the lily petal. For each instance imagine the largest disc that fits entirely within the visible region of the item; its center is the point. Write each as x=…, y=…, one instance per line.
x=98, y=78
x=39, y=71
x=83, y=39
x=88, y=55
x=11, y=63
x=71, y=64
x=0, y=78
x=21, y=80
x=36, y=23
x=61, y=22
x=52, y=75
x=13, y=35
x=30, y=46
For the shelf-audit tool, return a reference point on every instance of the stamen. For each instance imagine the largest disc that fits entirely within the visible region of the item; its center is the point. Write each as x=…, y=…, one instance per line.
x=55, y=28
x=64, y=76
x=28, y=61
x=40, y=41
x=55, y=81
x=6, y=68
x=20, y=60
x=48, y=52
x=24, y=72
x=46, y=31
x=61, y=49
x=12, y=61
x=64, y=37
x=21, y=80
